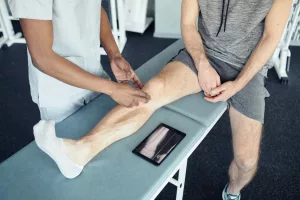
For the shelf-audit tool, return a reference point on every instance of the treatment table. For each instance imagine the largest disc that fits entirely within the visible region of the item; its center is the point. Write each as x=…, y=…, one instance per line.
x=115, y=173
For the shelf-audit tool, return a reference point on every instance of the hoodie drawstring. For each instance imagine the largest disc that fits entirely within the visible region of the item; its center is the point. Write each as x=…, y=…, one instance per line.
x=221, y=24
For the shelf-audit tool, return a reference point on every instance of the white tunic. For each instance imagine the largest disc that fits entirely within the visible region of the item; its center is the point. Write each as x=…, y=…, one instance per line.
x=76, y=30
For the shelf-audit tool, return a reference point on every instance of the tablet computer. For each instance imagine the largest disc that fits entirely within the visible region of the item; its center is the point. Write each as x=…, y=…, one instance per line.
x=156, y=147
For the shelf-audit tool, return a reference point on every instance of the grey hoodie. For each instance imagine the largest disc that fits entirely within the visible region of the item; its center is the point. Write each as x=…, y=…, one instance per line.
x=231, y=29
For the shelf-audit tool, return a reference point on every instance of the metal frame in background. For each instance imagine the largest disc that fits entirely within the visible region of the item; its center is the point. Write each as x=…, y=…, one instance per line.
x=296, y=35
x=117, y=19
x=291, y=36
x=4, y=37
x=9, y=35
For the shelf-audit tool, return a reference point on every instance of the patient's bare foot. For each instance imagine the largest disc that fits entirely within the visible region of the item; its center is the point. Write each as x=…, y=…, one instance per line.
x=45, y=137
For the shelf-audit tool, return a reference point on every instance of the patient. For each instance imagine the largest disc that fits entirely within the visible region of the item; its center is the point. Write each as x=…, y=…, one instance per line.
x=175, y=81
x=228, y=64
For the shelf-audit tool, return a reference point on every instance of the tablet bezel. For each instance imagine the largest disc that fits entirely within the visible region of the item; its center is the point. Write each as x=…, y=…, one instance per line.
x=150, y=160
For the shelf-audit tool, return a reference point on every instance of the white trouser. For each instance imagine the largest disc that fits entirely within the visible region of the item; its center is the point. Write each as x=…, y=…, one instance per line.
x=60, y=113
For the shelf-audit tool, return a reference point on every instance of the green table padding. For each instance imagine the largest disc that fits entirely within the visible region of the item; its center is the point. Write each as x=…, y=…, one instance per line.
x=115, y=173
x=197, y=108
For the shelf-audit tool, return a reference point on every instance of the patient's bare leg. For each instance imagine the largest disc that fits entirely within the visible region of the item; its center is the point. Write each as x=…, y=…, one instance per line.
x=174, y=82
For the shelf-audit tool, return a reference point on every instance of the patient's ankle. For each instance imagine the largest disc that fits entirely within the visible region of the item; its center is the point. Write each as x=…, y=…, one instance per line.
x=77, y=151
x=233, y=190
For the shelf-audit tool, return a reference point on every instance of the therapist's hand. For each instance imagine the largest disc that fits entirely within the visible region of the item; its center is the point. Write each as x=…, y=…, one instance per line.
x=128, y=96
x=123, y=72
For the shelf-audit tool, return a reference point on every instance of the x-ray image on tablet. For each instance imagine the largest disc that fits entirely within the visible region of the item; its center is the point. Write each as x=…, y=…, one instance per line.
x=159, y=144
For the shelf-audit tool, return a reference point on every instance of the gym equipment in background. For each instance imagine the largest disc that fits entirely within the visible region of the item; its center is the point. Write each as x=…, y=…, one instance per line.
x=3, y=32
x=9, y=37
x=136, y=15
x=290, y=37
x=116, y=16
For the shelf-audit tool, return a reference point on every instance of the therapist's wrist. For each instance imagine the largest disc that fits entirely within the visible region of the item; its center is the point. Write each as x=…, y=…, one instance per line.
x=114, y=55
x=109, y=87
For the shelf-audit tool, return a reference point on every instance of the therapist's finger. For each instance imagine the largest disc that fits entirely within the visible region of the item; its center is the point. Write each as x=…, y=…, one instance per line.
x=141, y=99
x=136, y=80
x=121, y=78
x=128, y=74
x=135, y=103
x=142, y=94
x=122, y=81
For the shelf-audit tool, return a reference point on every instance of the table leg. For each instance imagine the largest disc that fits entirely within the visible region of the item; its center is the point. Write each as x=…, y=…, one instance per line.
x=181, y=180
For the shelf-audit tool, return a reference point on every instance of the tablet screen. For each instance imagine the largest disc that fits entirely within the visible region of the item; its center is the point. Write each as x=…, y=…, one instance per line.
x=159, y=144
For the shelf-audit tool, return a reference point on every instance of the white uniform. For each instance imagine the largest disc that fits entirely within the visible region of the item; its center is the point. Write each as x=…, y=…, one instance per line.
x=76, y=29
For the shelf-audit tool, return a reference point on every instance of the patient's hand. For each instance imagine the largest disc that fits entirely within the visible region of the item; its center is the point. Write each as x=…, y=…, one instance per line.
x=208, y=77
x=128, y=96
x=224, y=92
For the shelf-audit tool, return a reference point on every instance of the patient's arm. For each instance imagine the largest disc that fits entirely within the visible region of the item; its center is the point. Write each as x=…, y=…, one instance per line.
x=174, y=81
x=207, y=75
x=189, y=29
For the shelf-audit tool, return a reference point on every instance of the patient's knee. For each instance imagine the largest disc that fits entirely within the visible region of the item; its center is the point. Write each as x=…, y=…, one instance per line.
x=155, y=87
x=246, y=163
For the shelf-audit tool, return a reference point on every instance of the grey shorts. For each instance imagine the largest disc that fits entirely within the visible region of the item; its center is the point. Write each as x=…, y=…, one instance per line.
x=250, y=101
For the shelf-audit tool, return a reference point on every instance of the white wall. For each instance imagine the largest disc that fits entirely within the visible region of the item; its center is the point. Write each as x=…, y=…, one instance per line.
x=167, y=18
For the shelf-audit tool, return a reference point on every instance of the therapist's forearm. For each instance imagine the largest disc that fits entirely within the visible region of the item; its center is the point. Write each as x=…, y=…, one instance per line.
x=106, y=37
x=257, y=60
x=193, y=43
x=67, y=72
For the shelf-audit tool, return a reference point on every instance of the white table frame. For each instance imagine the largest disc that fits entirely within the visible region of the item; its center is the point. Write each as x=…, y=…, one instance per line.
x=181, y=168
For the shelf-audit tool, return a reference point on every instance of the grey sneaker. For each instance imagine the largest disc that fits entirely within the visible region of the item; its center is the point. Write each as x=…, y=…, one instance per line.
x=227, y=196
